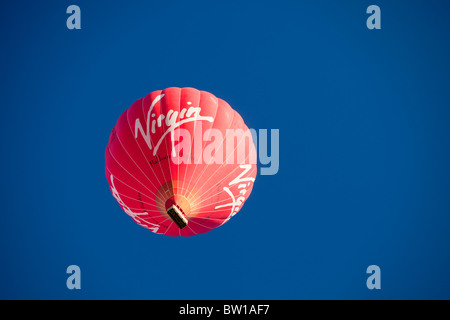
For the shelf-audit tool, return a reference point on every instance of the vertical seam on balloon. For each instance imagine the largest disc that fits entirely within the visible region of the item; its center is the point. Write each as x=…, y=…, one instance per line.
x=204, y=142
x=169, y=159
x=186, y=168
x=193, y=140
x=178, y=171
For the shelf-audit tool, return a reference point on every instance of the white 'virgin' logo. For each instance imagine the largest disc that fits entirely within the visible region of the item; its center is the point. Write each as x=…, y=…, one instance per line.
x=135, y=215
x=174, y=119
x=244, y=183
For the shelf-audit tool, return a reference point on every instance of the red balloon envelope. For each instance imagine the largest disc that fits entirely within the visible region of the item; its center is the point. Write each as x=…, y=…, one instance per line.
x=180, y=162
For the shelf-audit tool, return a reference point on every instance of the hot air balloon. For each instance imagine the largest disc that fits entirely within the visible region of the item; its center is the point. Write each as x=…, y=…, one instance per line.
x=180, y=162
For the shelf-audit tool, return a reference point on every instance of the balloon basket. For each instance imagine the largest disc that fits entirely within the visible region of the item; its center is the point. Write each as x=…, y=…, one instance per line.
x=177, y=216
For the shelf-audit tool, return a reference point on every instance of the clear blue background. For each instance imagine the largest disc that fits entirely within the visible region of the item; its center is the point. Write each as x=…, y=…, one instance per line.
x=364, y=148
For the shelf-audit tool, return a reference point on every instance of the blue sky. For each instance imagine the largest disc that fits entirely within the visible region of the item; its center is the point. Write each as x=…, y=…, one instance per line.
x=364, y=148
